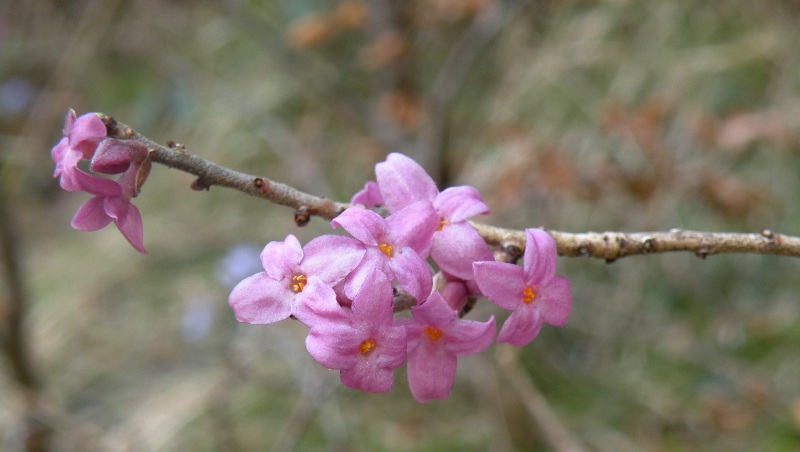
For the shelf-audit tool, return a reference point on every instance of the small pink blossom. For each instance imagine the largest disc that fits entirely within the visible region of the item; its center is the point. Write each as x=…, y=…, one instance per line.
x=278, y=291
x=534, y=293
x=395, y=245
x=81, y=138
x=455, y=244
x=436, y=337
x=112, y=199
x=369, y=346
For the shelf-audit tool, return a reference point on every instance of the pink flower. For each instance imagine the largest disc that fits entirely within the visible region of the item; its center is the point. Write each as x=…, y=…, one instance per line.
x=81, y=137
x=112, y=199
x=395, y=245
x=278, y=291
x=534, y=293
x=436, y=337
x=455, y=244
x=369, y=346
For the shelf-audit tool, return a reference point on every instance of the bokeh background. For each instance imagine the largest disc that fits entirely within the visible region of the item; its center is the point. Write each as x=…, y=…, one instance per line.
x=578, y=115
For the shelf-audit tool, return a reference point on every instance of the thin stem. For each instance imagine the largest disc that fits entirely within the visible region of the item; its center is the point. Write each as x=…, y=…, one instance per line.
x=609, y=246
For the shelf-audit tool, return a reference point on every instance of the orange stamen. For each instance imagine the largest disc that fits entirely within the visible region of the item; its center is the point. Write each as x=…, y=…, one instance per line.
x=298, y=282
x=386, y=248
x=528, y=295
x=366, y=346
x=433, y=333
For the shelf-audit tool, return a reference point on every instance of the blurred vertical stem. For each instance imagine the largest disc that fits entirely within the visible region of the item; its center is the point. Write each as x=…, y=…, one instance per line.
x=15, y=345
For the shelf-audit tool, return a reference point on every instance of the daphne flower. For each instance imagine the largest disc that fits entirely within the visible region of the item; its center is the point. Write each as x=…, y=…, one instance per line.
x=455, y=244
x=277, y=292
x=395, y=245
x=367, y=348
x=436, y=337
x=112, y=199
x=81, y=138
x=534, y=293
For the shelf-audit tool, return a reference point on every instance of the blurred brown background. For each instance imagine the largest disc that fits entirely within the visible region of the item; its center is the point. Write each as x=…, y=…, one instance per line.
x=577, y=115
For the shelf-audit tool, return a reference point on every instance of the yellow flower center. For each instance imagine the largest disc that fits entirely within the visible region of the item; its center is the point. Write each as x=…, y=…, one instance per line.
x=386, y=248
x=528, y=295
x=298, y=282
x=442, y=223
x=433, y=333
x=366, y=346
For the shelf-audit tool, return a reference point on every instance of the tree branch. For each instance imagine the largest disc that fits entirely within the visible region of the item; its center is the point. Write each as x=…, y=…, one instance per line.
x=609, y=246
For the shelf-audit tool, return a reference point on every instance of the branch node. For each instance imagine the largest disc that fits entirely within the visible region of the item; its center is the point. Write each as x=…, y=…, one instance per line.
x=648, y=244
x=702, y=253
x=172, y=144
x=302, y=216
x=768, y=234
x=262, y=185
x=200, y=185
x=584, y=249
x=513, y=252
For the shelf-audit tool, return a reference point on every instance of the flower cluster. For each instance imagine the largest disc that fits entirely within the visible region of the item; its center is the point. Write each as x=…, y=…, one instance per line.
x=85, y=138
x=343, y=288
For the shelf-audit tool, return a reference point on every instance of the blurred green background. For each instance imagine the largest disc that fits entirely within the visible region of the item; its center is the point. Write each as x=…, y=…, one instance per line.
x=577, y=115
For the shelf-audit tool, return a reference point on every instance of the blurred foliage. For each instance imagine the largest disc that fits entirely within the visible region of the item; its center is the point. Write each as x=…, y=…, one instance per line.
x=577, y=115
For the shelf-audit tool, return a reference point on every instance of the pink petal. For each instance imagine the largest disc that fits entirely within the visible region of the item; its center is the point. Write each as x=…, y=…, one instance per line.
x=554, y=301
x=91, y=216
x=332, y=257
x=403, y=182
x=456, y=247
x=369, y=196
x=85, y=133
x=540, y=257
x=73, y=179
x=260, y=300
x=113, y=156
x=334, y=345
x=373, y=258
x=57, y=154
x=282, y=259
x=431, y=372
x=411, y=273
x=367, y=377
x=457, y=204
x=365, y=225
x=500, y=283
x=521, y=327
x=455, y=294
x=131, y=228
x=391, y=347
x=372, y=306
x=413, y=227
x=468, y=337
x=69, y=120
x=434, y=311
x=316, y=303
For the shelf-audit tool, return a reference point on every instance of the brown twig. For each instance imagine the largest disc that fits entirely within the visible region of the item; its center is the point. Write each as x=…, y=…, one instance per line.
x=609, y=246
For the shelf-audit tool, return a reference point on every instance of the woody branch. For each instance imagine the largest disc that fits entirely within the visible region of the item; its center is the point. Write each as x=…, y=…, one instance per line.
x=601, y=245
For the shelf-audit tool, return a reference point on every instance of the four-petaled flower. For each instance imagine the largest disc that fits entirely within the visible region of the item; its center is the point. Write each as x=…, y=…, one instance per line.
x=534, y=293
x=112, y=199
x=435, y=338
x=396, y=245
x=368, y=347
x=455, y=244
x=277, y=292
